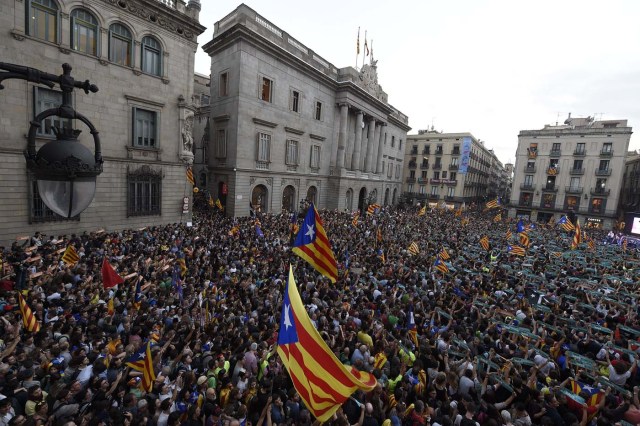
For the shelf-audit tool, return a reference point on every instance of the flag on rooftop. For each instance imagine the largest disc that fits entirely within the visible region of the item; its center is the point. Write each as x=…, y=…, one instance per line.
x=320, y=379
x=70, y=256
x=312, y=245
x=413, y=248
x=29, y=320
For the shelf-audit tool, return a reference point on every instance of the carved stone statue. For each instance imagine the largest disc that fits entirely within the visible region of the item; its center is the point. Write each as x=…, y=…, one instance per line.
x=187, y=134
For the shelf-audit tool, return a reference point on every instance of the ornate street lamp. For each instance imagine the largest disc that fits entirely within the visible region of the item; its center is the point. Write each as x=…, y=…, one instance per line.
x=65, y=169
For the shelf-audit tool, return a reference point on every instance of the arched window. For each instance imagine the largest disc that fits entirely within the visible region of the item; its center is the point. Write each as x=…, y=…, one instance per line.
x=43, y=19
x=151, y=56
x=120, y=45
x=312, y=193
x=84, y=32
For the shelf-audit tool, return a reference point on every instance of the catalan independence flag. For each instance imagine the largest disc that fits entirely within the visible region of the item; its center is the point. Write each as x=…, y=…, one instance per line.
x=320, y=379
x=498, y=217
x=484, y=242
x=312, y=245
x=190, y=178
x=494, y=203
x=423, y=210
x=524, y=239
x=566, y=224
x=143, y=361
x=414, y=249
x=373, y=208
x=412, y=330
x=440, y=266
x=28, y=318
x=354, y=221
x=577, y=236
x=137, y=296
x=593, y=394
x=516, y=250
x=70, y=256
x=509, y=234
x=443, y=254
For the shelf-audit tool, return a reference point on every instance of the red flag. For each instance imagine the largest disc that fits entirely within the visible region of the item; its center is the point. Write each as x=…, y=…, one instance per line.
x=109, y=277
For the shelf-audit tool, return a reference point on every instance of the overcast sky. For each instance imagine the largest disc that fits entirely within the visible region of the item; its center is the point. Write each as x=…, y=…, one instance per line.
x=491, y=68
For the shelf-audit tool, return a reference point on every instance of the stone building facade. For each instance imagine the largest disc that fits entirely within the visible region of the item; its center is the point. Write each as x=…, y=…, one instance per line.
x=433, y=172
x=575, y=168
x=286, y=125
x=140, y=54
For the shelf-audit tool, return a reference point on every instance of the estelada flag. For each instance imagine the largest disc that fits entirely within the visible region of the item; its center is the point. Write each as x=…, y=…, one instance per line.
x=109, y=277
x=320, y=379
x=312, y=245
x=484, y=242
x=28, y=319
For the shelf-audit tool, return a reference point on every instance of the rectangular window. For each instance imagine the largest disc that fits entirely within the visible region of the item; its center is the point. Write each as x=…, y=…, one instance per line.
x=423, y=189
x=451, y=191
x=266, y=89
x=382, y=172
x=204, y=100
x=44, y=99
x=318, y=111
x=444, y=174
x=434, y=190
x=264, y=149
x=221, y=143
x=454, y=161
x=43, y=20
x=393, y=141
x=555, y=147
x=144, y=128
x=143, y=194
x=580, y=148
x=577, y=164
x=606, y=147
x=84, y=33
x=38, y=210
x=553, y=163
x=397, y=171
x=604, y=165
x=400, y=145
x=574, y=182
x=315, y=157
x=223, y=88
x=453, y=176
x=292, y=153
x=528, y=180
x=424, y=174
x=436, y=175
x=412, y=174
x=294, y=101
x=410, y=188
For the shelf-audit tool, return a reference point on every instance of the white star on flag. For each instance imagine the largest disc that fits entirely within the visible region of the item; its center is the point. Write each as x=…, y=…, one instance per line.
x=310, y=231
x=287, y=318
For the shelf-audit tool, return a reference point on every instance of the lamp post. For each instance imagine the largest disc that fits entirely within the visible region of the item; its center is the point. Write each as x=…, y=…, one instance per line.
x=65, y=170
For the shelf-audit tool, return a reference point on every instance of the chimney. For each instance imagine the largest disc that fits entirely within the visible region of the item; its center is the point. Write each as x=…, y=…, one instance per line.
x=193, y=9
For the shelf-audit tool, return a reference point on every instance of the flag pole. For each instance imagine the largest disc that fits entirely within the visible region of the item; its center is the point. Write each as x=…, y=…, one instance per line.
x=364, y=54
x=357, y=47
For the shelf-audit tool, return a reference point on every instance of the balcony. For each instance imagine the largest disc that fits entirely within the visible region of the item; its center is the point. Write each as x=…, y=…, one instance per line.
x=527, y=186
x=530, y=169
x=426, y=151
x=525, y=203
x=549, y=188
x=414, y=150
x=552, y=171
x=573, y=190
x=603, y=192
x=576, y=171
x=555, y=153
x=456, y=151
x=434, y=196
x=439, y=151
x=423, y=180
x=411, y=180
x=453, y=167
x=606, y=152
x=412, y=164
x=424, y=166
x=580, y=152
x=603, y=172
x=437, y=166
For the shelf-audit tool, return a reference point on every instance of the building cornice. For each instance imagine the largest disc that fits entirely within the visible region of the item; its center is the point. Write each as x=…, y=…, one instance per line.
x=163, y=16
x=577, y=131
x=398, y=123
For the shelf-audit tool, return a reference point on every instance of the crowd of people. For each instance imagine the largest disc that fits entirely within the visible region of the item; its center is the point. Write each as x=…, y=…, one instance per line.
x=548, y=338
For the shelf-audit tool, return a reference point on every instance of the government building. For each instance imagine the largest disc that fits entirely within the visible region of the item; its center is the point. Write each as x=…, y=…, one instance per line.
x=575, y=168
x=440, y=172
x=140, y=54
x=286, y=126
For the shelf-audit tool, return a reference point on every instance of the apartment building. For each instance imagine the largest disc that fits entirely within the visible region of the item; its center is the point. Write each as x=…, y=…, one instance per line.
x=575, y=168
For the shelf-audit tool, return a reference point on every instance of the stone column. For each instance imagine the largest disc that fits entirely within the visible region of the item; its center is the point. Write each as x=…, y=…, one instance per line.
x=368, y=159
x=342, y=136
x=355, y=160
x=376, y=138
x=380, y=146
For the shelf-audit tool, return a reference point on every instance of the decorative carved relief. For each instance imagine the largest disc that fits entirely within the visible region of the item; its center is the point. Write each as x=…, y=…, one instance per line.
x=369, y=81
x=252, y=180
x=137, y=72
x=269, y=181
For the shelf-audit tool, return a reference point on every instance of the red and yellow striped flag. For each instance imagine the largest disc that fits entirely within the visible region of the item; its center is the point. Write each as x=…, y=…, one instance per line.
x=484, y=242
x=320, y=379
x=28, y=319
x=509, y=234
x=312, y=245
x=443, y=254
x=423, y=210
x=190, y=178
x=70, y=256
x=516, y=250
x=356, y=216
x=497, y=217
x=577, y=236
x=524, y=239
x=414, y=249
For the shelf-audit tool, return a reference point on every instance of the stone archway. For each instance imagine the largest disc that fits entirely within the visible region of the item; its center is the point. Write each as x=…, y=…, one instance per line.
x=386, y=197
x=259, y=198
x=289, y=198
x=312, y=195
x=349, y=200
x=362, y=199
x=395, y=194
